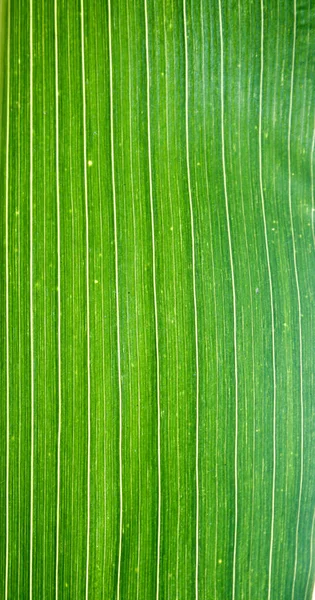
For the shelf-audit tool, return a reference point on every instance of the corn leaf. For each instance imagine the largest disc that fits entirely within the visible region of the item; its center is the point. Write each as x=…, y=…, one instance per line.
x=157, y=299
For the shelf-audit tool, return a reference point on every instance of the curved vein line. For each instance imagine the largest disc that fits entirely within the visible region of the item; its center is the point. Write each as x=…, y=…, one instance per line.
x=262, y=195
x=155, y=302
x=234, y=300
x=194, y=289
x=297, y=284
x=31, y=314
x=87, y=305
x=7, y=329
x=117, y=295
x=58, y=298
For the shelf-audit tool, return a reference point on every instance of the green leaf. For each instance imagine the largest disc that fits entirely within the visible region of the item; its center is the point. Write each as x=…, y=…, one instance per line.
x=157, y=300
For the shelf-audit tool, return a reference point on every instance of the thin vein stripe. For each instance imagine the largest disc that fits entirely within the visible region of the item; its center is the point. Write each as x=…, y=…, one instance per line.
x=31, y=307
x=117, y=296
x=87, y=308
x=194, y=289
x=58, y=297
x=45, y=482
x=155, y=303
x=7, y=533
x=234, y=301
x=296, y=276
x=262, y=196
x=19, y=303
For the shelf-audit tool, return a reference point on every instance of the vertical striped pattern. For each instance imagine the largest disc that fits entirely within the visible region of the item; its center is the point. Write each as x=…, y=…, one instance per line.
x=59, y=295
x=298, y=293
x=227, y=209
x=87, y=284
x=273, y=352
x=117, y=297
x=196, y=342
x=31, y=316
x=157, y=349
x=157, y=300
x=7, y=317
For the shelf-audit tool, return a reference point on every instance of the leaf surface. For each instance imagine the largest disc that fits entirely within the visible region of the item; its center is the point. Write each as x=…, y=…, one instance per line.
x=157, y=300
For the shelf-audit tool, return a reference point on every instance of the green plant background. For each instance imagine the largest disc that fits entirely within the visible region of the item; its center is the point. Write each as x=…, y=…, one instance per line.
x=157, y=300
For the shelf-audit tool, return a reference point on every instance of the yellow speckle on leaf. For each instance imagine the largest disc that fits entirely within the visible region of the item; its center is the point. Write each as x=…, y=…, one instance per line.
x=90, y=163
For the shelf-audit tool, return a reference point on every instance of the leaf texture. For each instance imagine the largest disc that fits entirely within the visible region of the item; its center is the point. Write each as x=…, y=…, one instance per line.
x=157, y=300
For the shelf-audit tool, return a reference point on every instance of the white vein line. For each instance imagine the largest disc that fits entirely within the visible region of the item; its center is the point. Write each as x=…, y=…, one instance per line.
x=298, y=302
x=155, y=304
x=262, y=195
x=88, y=356
x=117, y=286
x=311, y=559
x=117, y=294
x=58, y=296
x=194, y=290
x=7, y=533
x=234, y=302
x=31, y=306
x=19, y=298
x=43, y=73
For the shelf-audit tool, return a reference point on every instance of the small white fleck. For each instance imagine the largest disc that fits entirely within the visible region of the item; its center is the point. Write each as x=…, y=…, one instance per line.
x=90, y=163
x=95, y=280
